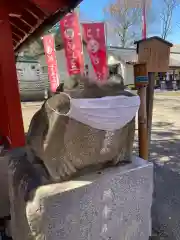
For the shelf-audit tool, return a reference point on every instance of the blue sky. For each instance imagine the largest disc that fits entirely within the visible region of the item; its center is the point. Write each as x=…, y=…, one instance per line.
x=92, y=10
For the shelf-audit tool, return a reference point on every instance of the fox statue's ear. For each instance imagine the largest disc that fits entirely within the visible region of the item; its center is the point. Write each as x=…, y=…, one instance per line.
x=78, y=81
x=85, y=81
x=70, y=82
x=116, y=79
x=60, y=88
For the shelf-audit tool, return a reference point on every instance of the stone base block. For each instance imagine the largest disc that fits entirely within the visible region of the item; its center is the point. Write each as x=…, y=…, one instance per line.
x=4, y=188
x=114, y=204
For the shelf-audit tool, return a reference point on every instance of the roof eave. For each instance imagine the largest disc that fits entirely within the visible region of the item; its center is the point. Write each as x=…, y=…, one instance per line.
x=155, y=37
x=45, y=26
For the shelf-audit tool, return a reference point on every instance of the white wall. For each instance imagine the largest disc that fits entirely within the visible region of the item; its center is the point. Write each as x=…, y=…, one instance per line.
x=28, y=71
x=127, y=55
x=129, y=75
x=62, y=67
x=61, y=60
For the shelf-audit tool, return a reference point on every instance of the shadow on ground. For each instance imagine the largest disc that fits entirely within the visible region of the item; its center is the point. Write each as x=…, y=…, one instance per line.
x=165, y=152
x=165, y=145
x=162, y=124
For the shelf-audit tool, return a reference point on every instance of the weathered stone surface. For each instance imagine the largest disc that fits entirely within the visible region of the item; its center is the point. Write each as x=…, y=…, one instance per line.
x=112, y=204
x=25, y=175
x=68, y=147
x=4, y=193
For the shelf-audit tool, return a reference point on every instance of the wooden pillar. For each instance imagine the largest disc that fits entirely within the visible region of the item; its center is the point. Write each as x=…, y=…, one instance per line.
x=142, y=125
x=141, y=82
x=149, y=104
x=11, y=122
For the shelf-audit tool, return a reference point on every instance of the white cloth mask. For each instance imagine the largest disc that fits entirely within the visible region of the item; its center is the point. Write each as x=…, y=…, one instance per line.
x=107, y=113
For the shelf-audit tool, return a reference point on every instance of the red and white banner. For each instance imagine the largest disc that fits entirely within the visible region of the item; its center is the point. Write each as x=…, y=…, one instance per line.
x=71, y=35
x=50, y=53
x=94, y=35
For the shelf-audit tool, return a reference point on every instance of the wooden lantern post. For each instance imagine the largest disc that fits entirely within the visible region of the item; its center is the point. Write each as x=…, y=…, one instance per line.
x=155, y=52
x=141, y=82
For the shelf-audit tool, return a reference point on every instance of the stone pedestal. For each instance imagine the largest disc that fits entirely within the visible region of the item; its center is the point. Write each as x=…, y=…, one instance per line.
x=4, y=188
x=110, y=205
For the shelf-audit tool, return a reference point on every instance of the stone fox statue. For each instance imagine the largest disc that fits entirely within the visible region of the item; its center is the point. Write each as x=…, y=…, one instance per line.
x=83, y=129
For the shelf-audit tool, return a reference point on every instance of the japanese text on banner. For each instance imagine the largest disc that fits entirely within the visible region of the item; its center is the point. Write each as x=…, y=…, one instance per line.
x=70, y=31
x=49, y=48
x=94, y=35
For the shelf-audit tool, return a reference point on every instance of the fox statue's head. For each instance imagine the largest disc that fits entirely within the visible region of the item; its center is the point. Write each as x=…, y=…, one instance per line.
x=69, y=144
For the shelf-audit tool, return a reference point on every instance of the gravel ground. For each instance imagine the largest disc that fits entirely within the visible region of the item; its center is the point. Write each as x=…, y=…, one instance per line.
x=165, y=129
x=28, y=110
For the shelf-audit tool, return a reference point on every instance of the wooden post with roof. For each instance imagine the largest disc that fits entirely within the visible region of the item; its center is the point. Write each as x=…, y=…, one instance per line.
x=154, y=52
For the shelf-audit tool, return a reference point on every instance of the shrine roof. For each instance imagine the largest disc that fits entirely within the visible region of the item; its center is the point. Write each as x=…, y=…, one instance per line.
x=30, y=18
x=27, y=59
x=156, y=38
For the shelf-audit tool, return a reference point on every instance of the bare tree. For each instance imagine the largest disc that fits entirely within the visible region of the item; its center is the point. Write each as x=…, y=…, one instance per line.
x=36, y=48
x=125, y=21
x=168, y=7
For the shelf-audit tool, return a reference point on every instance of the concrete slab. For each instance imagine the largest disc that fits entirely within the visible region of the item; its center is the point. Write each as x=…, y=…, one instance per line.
x=4, y=188
x=109, y=205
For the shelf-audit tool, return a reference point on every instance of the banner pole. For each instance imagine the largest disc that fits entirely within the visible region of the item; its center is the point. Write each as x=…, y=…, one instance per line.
x=144, y=26
x=105, y=31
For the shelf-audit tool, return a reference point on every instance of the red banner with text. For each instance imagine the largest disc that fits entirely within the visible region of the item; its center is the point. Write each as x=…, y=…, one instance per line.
x=71, y=35
x=50, y=53
x=94, y=36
